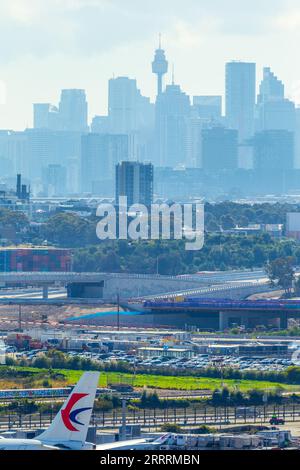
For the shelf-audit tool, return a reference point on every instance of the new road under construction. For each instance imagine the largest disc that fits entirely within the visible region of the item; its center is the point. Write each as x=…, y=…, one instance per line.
x=109, y=299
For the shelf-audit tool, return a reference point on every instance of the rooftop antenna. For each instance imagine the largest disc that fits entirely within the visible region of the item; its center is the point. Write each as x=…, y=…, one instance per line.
x=173, y=75
x=159, y=43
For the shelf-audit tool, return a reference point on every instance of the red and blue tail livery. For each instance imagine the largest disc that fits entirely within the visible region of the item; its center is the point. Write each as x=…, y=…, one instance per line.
x=69, y=415
x=70, y=426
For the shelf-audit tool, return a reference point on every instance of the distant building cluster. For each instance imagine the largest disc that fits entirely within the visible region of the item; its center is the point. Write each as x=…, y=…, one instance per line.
x=190, y=141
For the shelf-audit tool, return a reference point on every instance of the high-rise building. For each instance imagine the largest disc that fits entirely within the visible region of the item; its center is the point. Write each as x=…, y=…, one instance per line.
x=208, y=107
x=16, y=152
x=73, y=110
x=219, y=149
x=72, y=175
x=45, y=147
x=271, y=87
x=42, y=150
x=171, y=126
x=297, y=138
x=274, y=150
x=54, y=180
x=46, y=116
x=99, y=155
x=160, y=67
x=273, y=110
x=130, y=113
x=123, y=96
x=240, y=98
x=276, y=115
x=100, y=125
x=135, y=181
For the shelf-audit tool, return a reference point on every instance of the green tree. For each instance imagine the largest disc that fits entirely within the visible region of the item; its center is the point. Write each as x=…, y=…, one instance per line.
x=227, y=222
x=281, y=273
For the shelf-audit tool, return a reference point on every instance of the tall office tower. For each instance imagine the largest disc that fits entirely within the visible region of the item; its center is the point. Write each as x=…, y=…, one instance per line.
x=54, y=180
x=16, y=152
x=42, y=150
x=45, y=147
x=100, y=125
x=171, y=126
x=128, y=110
x=219, y=149
x=160, y=67
x=99, y=155
x=6, y=163
x=273, y=111
x=73, y=110
x=122, y=105
x=194, y=141
x=72, y=175
x=240, y=98
x=207, y=107
x=270, y=88
x=45, y=116
x=276, y=114
x=297, y=138
x=135, y=181
x=130, y=113
x=273, y=150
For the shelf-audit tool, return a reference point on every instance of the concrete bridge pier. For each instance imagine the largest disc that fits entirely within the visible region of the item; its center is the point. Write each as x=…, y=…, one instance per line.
x=223, y=321
x=45, y=292
x=283, y=321
x=252, y=319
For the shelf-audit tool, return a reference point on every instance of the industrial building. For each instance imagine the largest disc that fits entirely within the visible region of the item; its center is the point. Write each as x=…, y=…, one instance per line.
x=38, y=259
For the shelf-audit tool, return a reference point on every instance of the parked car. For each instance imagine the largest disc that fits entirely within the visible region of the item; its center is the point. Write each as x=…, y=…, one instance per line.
x=275, y=421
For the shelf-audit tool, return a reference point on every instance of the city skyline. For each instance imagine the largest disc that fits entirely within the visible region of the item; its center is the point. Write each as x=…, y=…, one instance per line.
x=74, y=56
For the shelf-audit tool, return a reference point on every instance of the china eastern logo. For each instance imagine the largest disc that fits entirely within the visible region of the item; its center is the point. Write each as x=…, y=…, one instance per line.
x=69, y=416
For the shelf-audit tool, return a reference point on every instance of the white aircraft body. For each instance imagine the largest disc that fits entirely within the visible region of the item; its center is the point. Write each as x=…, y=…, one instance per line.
x=69, y=428
x=136, y=444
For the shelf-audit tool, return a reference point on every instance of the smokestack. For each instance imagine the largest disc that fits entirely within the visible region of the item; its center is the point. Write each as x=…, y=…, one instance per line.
x=19, y=186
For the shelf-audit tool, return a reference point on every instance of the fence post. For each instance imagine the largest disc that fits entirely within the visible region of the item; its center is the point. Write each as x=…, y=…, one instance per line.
x=293, y=411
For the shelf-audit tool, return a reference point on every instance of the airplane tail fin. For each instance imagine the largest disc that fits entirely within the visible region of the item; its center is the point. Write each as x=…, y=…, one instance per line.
x=70, y=426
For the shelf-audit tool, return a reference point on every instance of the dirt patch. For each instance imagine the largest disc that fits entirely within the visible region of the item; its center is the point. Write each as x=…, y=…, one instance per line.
x=9, y=314
x=267, y=295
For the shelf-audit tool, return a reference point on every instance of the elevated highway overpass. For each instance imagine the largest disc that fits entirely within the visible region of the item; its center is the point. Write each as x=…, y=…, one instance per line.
x=108, y=286
x=224, y=313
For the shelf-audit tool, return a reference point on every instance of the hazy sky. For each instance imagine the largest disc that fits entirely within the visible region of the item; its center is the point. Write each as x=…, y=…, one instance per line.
x=47, y=45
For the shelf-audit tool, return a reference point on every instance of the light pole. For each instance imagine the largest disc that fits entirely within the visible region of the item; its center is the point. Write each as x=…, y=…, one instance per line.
x=123, y=428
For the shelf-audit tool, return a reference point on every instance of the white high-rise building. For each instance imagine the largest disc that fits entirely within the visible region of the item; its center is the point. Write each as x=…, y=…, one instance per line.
x=73, y=110
x=130, y=113
x=173, y=111
x=240, y=98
